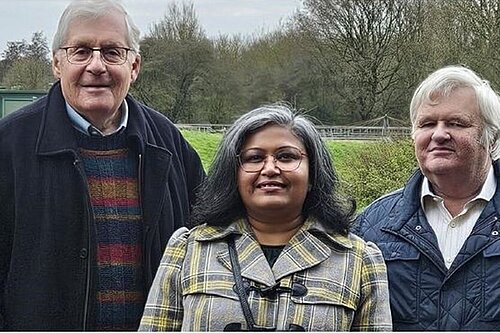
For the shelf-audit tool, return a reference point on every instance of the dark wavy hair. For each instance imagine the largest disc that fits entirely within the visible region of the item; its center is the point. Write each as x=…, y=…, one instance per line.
x=219, y=202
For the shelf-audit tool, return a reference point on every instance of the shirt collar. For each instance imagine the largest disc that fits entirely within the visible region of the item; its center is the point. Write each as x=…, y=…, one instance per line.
x=84, y=126
x=487, y=190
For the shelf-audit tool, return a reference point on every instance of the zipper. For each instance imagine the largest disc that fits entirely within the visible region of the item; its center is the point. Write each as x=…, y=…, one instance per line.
x=77, y=164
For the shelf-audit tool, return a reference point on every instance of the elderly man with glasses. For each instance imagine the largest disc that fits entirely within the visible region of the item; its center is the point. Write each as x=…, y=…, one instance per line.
x=92, y=184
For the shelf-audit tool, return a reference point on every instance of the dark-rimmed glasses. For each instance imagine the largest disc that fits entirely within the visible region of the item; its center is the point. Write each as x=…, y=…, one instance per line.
x=82, y=55
x=285, y=159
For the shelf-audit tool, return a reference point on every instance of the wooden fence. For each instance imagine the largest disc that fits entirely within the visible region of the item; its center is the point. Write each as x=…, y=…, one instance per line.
x=327, y=132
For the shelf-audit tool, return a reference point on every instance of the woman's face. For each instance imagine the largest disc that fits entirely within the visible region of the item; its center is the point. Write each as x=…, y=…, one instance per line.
x=272, y=192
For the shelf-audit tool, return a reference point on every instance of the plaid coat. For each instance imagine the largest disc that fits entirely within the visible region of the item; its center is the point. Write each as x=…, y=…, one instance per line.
x=344, y=278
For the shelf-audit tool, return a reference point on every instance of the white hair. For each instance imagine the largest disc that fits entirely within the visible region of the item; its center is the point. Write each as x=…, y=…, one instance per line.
x=93, y=9
x=444, y=81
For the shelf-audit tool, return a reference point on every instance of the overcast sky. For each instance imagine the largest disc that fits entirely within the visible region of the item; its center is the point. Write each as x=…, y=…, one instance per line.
x=19, y=19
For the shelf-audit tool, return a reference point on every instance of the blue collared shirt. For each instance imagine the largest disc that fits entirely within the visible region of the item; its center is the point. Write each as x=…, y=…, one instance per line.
x=84, y=126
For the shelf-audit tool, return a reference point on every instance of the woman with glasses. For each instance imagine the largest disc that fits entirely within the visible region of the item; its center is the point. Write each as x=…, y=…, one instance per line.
x=271, y=249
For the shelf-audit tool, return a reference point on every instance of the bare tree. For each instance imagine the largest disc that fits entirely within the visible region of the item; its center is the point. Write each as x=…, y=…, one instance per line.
x=26, y=65
x=28, y=73
x=477, y=34
x=362, y=45
x=222, y=95
x=175, y=56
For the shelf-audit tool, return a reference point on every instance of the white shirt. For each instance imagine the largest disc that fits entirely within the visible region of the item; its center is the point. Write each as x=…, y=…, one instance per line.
x=452, y=232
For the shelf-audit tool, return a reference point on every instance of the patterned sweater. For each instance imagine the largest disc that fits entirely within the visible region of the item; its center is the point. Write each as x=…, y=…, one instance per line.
x=113, y=187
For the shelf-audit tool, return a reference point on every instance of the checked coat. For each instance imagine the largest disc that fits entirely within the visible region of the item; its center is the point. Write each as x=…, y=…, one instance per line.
x=327, y=282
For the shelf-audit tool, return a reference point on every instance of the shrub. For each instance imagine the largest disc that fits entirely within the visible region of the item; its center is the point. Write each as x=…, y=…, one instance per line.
x=376, y=169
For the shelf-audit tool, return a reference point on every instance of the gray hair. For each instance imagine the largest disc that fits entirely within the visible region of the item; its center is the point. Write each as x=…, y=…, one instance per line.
x=219, y=202
x=444, y=81
x=93, y=9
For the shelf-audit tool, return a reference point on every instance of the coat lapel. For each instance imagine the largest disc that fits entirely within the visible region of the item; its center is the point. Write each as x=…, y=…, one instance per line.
x=304, y=250
x=484, y=233
x=253, y=263
x=154, y=163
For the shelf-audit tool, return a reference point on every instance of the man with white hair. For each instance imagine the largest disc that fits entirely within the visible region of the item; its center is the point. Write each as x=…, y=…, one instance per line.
x=440, y=233
x=92, y=184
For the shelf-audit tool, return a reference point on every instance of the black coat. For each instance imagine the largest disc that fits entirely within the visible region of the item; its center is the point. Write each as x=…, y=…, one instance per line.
x=47, y=236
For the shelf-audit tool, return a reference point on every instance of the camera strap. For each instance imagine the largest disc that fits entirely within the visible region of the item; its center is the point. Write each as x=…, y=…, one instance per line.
x=242, y=295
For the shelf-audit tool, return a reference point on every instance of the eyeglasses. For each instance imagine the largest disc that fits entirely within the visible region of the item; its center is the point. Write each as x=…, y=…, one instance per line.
x=82, y=55
x=285, y=159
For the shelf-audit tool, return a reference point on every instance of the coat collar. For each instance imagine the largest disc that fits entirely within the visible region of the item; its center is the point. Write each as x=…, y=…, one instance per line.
x=409, y=204
x=496, y=196
x=56, y=133
x=310, y=246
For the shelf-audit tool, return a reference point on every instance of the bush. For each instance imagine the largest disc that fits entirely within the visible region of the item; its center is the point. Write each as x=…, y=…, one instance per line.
x=376, y=169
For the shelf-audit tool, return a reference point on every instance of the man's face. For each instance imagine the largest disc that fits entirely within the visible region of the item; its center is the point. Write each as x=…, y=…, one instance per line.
x=447, y=136
x=96, y=89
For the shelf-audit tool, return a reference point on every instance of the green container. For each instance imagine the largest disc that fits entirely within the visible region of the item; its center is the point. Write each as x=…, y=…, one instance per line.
x=11, y=100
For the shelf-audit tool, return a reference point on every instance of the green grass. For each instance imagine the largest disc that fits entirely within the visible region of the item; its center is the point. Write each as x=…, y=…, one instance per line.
x=341, y=149
x=204, y=143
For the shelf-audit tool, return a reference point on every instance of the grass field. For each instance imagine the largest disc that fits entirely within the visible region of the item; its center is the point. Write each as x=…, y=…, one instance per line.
x=204, y=143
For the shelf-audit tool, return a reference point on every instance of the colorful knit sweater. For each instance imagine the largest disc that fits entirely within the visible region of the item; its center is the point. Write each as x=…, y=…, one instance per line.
x=113, y=186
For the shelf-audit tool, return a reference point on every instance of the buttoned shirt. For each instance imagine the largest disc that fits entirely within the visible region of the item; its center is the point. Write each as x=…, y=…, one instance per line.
x=321, y=281
x=84, y=126
x=451, y=232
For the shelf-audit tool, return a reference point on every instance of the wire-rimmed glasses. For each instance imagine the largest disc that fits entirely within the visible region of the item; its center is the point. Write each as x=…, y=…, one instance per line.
x=82, y=55
x=285, y=159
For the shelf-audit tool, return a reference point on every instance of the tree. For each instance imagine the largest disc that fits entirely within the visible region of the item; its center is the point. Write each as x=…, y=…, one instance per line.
x=28, y=73
x=38, y=48
x=15, y=51
x=222, y=96
x=477, y=35
x=26, y=65
x=175, y=57
x=361, y=44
